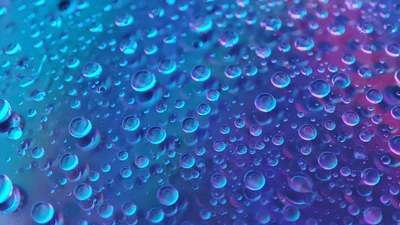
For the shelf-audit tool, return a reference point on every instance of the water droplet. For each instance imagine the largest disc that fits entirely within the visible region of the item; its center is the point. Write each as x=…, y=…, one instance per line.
x=83, y=192
x=265, y=102
x=190, y=125
x=233, y=71
x=372, y=215
x=370, y=176
x=394, y=144
x=290, y=213
x=5, y=110
x=130, y=123
x=218, y=180
x=228, y=38
x=92, y=69
x=37, y=152
x=6, y=188
x=304, y=43
x=327, y=160
x=79, y=127
x=350, y=118
x=156, y=135
x=319, y=88
x=167, y=195
x=374, y=96
x=200, y=73
x=128, y=208
x=254, y=180
x=280, y=79
x=42, y=212
x=271, y=23
x=307, y=132
x=143, y=81
x=68, y=161
x=105, y=210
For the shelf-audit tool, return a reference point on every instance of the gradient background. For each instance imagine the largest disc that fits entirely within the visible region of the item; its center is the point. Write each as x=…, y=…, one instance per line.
x=48, y=61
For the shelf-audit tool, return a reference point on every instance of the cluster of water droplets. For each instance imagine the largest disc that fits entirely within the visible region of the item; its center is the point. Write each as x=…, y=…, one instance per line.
x=200, y=112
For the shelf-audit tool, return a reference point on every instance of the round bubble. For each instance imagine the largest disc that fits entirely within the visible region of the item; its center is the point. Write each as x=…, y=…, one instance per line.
x=203, y=109
x=204, y=214
x=350, y=118
x=201, y=23
x=251, y=70
x=68, y=161
x=263, y=217
x=156, y=135
x=395, y=112
x=5, y=110
x=92, y=69
x=187, y=161
x=278, y=140
x=319, y=88
x=265, y=102
x=73, y=63
x=365, y=136
x=304, y=43
x=254, y=180
x=131, y=123
x=370, y=176
x=167, y=195
x=200, y=73
x=128, y=46
x=307, y=132
x=83, y=191
x=372, y=215
x=300, y=183
x=336, y=29
x=255, y=130
x=190, y=125
x=6, y=188
x=233, y=71
x=166, y=66
x=393, y=50
x=14, y=133
x=125, y=172
x=364, y=72
x=241, y=149
x=271, y=23
x=142, y=161
x=327, y=160
x=105, y=210
x=280, y=79
x=123, y=20
x=37, y=152
x=394, y=144
x=155, y=215
x=353, y=4
x=311, y=221
x=219, y=146
x=353, y=209
x=340, y=80
x=374, y=96
x=263, y=51
x=179, y=104
x=218, y=180
x=228, y=38
x=212, y=95
x=348, y=59
x=143, y=81
x=128, y=208
x=42, y=212
x=79, y=127
x=290, y=213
